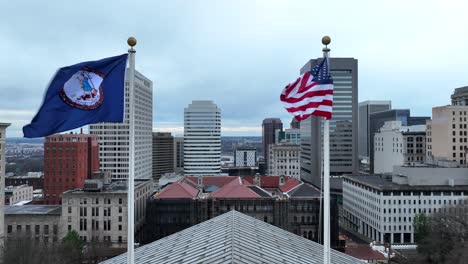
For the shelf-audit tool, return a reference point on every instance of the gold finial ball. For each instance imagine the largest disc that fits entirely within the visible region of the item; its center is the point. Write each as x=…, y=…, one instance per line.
x=326, y=40
x=131, y=41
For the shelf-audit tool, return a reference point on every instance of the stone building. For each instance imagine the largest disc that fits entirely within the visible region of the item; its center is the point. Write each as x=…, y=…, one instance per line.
x=17, y=194
x=279, y=200
x=98, y=212
x=284, y=159
x=38, y=222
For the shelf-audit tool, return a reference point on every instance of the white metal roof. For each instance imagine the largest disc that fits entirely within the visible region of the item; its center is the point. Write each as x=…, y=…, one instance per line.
x=233, y=238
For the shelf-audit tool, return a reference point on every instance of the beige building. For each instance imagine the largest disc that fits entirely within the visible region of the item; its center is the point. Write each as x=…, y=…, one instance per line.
x=3, y=127
x=38, y=222
x=284, y=159
x=98, y=212
x=447, y=134
x=18, y=194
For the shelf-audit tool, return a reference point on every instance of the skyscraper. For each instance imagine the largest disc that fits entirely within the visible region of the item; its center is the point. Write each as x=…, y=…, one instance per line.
x=114, y=138
x=163, y=154
x=3, y=127
x=202, y=138
x=365, y=109
x=343, y=125
x=69, y=160
x=269, y=127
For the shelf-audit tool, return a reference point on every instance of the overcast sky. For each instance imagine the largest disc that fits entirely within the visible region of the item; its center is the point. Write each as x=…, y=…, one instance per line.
x=240, y=54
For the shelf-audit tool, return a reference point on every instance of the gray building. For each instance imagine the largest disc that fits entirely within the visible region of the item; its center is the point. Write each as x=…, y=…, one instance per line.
x=38, y=222
x=460, y=96
x=163, y=154
x=365, y=109
x=378, y=119
x=343, y=125
x=98, y=212
x=245, y=157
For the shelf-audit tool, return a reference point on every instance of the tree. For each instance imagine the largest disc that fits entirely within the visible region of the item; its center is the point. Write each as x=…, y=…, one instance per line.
x=421, y=227
x=72, y=247
x=442, y=237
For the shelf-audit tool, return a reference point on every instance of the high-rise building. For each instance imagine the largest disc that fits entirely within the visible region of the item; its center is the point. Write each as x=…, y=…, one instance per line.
x=295, y=124
x=460, y=96
x=163, y=154
x=365, y=109
x=69, y=159
x=3, y=127
x=269, y=128
x=447, y=134
x=378, y=119
x=343, y=125
x=284, y=159
x=178, y=154
x=245, y=157
x=397, y=145
x=202, y=138
x=114, y=140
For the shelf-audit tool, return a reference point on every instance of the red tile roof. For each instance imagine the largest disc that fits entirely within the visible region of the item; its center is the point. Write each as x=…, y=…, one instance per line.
x=178, y=190
x=235, y=189
x=364, y=252
x=219, y=181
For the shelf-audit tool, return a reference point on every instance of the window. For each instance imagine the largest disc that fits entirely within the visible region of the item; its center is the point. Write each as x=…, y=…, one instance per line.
x=10, y=229
x=37, y=229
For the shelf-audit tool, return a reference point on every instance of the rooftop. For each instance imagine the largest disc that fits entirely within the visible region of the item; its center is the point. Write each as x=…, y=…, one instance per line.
x=233, y=238
x=33, y=209
x=114, y=187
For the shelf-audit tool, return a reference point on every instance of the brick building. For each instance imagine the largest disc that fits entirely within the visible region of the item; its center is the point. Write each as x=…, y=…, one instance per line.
x=69, y=159
x=279, y=200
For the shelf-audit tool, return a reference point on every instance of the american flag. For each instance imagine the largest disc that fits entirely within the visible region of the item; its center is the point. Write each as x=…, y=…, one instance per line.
x=310, y=94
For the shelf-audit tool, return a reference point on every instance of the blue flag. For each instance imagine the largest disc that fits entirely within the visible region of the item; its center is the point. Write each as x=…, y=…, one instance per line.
x=81, y=94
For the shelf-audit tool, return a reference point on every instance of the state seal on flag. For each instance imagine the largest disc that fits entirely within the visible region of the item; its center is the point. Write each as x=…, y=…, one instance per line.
x=83, y=90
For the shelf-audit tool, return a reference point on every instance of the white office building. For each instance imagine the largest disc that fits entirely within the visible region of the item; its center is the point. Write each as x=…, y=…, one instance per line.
x=114, y=139
x=382, y=208
x=284, y=159
x=202, y=138
x=396, y=145
x=245, y=157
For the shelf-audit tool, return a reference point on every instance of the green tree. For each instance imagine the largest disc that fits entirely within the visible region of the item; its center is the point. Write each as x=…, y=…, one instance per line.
x=420, y=227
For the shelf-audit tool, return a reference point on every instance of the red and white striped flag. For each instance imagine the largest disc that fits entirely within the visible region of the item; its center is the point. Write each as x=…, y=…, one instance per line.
x=310, y=94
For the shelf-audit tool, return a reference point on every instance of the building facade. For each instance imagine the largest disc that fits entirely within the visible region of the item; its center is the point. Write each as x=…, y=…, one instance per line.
x=460, y=96
x=397, y=145
x=17, y=194
x=365, y=109
x=32, y=179
x=383, y=209
x=285, y=160
x=114, y=139
x=447, y=134
x=343, y=125
x=202, y=138
x=69, y=159
x=178, y=154
x=3, y=127
x=98, y=212
x=378, y=119
x=245, y=157
x=38, y=222
x=279, y=200
x=163, y=154
x=269, y=128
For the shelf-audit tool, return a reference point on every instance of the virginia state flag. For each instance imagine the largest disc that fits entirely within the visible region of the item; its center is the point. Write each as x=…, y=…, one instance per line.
x=81, y=94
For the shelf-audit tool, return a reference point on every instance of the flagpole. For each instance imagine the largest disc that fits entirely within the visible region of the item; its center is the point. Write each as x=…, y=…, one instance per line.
x=326, y=173
x=131, y=166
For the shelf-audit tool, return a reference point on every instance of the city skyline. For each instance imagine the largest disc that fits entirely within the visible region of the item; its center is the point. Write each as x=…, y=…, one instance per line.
x=249, y=55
